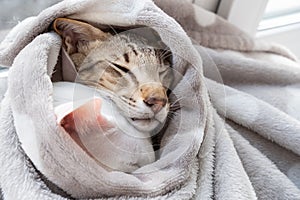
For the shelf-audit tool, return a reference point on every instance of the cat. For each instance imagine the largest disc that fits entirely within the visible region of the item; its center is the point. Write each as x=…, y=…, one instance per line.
x=90, y=120
x=134, y=74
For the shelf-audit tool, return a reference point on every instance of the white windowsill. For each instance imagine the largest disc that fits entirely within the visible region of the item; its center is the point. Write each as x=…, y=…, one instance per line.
x=287, y=36
x=279, y=21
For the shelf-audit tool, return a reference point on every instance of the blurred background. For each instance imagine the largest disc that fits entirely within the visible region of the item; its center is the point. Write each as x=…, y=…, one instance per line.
x=14, y=11
x=272, y=20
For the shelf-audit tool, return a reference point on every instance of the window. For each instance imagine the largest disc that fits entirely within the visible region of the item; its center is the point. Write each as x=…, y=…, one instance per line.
x=211, y=5
x=280, y=13
x=245, y=14
x=269, y=20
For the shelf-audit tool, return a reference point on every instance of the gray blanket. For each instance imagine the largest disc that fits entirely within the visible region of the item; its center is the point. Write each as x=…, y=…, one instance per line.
x=236, y=135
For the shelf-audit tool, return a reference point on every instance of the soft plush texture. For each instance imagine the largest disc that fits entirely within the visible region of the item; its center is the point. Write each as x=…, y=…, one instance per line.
x=236, y=135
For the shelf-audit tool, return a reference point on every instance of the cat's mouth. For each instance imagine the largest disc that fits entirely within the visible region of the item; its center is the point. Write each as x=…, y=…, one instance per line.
x=142, y=120
x=139, y=119
x=144, y=124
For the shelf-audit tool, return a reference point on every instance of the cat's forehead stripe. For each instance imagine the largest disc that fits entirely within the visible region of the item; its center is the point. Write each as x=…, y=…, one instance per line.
x=133, y=49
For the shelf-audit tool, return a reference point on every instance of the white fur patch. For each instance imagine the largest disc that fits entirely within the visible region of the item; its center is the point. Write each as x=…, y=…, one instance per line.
x=203, y=17
x=27, y=136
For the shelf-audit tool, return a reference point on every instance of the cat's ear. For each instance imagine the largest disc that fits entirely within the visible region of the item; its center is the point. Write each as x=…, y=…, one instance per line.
x=75, y=33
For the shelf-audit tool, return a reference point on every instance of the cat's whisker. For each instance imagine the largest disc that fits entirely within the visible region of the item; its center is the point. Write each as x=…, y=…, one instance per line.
x=113, y=29
x=165, y=54
x=176, y=103
x=172, y=112
x=170, y=117
x=175, y=108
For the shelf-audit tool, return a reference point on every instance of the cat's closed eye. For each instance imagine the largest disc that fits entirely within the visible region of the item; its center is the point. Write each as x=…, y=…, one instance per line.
x=120, y=67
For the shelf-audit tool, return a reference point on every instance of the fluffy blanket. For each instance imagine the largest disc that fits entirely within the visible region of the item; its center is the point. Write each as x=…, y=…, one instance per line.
x=236, y=135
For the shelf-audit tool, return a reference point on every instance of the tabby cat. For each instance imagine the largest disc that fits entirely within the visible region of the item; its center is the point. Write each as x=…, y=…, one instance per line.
x=135, y=75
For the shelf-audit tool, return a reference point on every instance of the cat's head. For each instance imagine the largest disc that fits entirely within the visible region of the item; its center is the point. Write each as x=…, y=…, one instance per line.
x=134, y=74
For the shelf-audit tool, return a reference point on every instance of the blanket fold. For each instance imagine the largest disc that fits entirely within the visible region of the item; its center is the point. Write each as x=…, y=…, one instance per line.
x=217, y=145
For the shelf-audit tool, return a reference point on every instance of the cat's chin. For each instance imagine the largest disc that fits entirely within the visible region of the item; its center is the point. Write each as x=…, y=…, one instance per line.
x=144, y=125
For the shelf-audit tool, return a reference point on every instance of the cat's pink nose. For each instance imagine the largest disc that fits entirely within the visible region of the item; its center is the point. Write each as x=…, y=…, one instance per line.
x=154, y=96
x=155, y=103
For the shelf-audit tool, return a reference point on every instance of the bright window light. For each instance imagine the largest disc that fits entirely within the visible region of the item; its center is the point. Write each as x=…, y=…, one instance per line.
x=280, y=13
